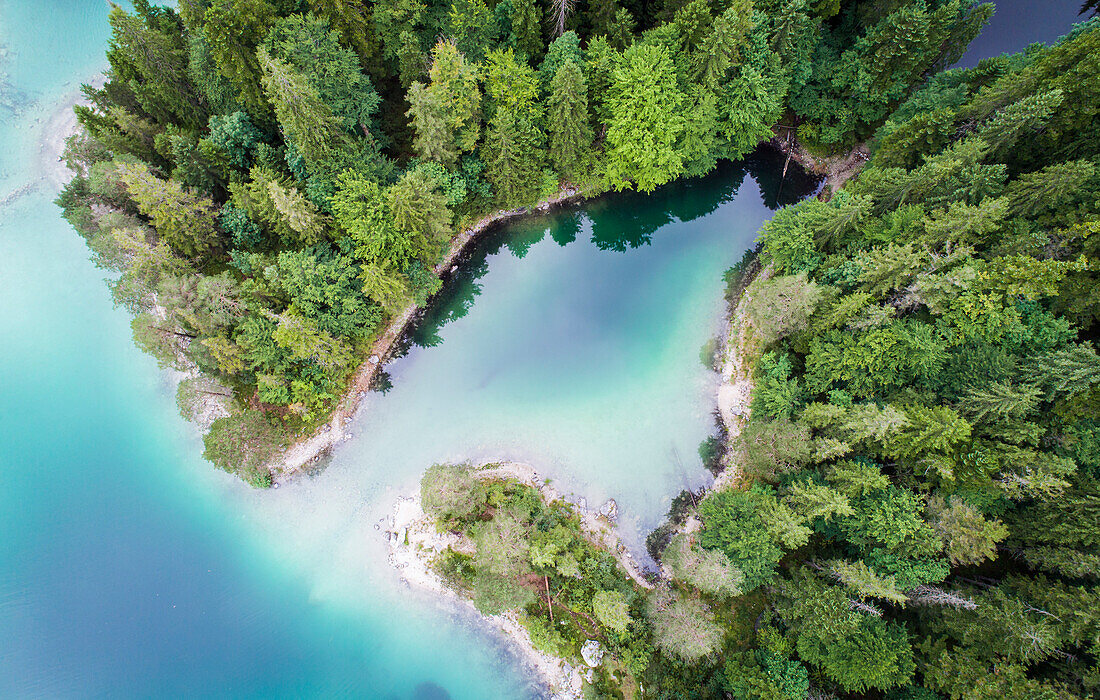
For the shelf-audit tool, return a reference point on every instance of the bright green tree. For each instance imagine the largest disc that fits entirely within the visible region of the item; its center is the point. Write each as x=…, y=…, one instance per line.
x=646, y=120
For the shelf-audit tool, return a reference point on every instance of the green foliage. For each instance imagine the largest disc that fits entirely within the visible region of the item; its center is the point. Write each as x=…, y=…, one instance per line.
x=646, y=120
x=186, y=221
x=736, y=525
x=612, y=610
x=242, y=444
x=446, y=112
x=683, y=628
x=709, y=570
x=568, y=119
x=780, y=306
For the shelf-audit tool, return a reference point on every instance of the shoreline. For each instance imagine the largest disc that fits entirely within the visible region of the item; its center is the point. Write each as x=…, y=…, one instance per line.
x=309, y=450
x=834, y=170
x=735, y=383
x=413, y=541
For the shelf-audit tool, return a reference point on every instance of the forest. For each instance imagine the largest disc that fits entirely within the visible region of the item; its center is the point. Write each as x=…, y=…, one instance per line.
x=916, y=501
x=274, y=181
x=919, y=487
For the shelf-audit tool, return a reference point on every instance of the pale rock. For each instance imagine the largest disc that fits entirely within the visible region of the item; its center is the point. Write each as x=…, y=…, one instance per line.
x=592, y=653
x=610, y=510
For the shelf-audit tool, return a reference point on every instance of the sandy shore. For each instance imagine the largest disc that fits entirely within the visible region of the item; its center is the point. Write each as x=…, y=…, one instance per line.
x=414, y=542
x=311, y=449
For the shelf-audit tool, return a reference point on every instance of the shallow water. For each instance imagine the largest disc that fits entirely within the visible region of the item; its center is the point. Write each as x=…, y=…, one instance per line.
x=130, y=567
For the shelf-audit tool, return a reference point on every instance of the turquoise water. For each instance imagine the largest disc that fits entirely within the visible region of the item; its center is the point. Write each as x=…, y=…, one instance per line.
x=130, y=567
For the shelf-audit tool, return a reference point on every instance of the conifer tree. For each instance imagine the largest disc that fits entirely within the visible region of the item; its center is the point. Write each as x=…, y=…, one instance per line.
x=1000, y=400
x=721, y=48
x=419, y=212
x=154, y=65
x=298, y=213
x=306, y=121
x=232, y=30
x=470, y=26
x=527, y=28
x=352, y=19
x=446, y=112
x=185, y=221
x=514, y=141
x=567, y=115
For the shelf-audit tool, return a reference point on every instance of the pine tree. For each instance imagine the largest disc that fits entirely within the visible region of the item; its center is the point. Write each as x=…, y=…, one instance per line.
x=866, y=582
x=361, y=208
x=750, y=110
x=393, y=20
x=1055, y=187
x=968, y=537
x=299, y=215
x=1067, y=372
x=1018, y=120
x=510, y=168
x=306, y=341
x=384, y=287
x=567, y=115
x=434, y=138
x=312, y=49
x=811, y=500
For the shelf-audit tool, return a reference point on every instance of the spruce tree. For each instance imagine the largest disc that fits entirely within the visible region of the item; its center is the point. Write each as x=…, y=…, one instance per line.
x=307, y=122
x=567, y=116
x=233, y=29
x=187, y=222
x=527, y=28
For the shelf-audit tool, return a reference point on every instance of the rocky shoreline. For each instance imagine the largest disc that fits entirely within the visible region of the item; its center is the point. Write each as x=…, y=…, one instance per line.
x=310, y=450
x=414, y=542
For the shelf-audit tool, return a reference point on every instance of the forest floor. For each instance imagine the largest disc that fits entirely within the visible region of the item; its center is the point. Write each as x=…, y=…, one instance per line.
x=835, y=170
x=311, y=449
x=414, y=541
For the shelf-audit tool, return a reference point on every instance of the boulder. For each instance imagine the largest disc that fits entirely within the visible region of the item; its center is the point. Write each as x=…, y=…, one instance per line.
x=592, y=653
x=610, y=510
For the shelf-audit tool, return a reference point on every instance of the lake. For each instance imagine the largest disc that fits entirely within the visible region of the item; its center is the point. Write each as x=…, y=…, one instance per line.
x=130, y=567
